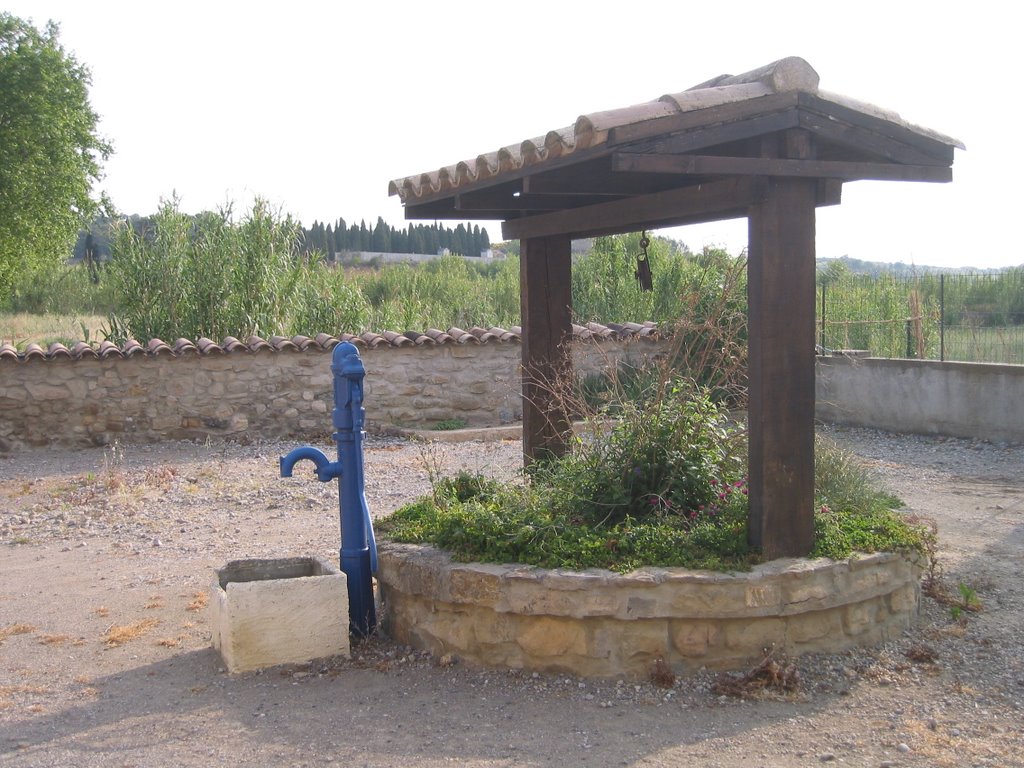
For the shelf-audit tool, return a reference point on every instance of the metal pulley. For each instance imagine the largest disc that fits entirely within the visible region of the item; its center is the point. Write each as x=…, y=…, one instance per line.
x=643, y=265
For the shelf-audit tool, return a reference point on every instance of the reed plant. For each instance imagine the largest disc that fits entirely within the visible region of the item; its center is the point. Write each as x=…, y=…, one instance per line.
x=206, y=275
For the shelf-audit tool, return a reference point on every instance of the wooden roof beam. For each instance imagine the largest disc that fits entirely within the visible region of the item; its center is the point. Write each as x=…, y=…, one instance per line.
x=718, y=134
x=713, y=165
x=531, y=202
x=867, y=130
x=727, y=199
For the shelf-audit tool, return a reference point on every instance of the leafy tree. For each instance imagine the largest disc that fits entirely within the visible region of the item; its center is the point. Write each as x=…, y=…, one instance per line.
x=50, y=149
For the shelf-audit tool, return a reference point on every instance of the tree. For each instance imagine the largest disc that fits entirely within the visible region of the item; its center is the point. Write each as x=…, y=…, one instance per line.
x=50, y=149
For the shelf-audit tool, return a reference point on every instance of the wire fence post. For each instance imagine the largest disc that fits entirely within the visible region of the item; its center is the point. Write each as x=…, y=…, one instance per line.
x=822, y=342
x=942, y=317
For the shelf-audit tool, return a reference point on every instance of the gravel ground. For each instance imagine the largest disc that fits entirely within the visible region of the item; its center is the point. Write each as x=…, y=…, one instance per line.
x=106, y=556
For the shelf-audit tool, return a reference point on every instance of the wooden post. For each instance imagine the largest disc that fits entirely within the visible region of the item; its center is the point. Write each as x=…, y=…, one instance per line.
x=546, y=302
x=781, y=300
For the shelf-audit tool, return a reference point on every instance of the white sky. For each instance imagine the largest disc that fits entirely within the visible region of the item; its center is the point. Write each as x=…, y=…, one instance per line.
x=317, y=105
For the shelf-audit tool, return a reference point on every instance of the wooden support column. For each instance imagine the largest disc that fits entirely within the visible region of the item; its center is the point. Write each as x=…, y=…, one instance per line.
x=780, y=294
x=546, y=302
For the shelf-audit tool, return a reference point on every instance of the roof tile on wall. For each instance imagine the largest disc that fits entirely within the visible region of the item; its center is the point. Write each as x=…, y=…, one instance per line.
x=205, y=347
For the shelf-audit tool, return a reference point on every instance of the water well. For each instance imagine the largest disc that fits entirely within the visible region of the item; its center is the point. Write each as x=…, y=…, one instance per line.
x=597, y=623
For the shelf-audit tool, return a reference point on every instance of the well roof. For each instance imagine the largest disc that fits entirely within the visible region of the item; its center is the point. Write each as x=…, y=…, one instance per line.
x=588, y=162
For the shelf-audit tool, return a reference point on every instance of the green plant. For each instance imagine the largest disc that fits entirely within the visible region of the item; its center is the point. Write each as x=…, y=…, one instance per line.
x=673, y=455
x=968, y=597
x=450, y=424
x=205, y=275
x=665, y=486
x=967, y=601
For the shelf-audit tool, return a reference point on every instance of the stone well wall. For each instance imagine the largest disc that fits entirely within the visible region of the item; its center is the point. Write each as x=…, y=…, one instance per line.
x=600, y=624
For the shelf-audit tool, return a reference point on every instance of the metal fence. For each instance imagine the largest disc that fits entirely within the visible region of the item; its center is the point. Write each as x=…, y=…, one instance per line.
x=968, y=317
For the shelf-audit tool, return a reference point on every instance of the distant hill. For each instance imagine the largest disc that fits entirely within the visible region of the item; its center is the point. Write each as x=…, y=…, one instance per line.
x=900, y=269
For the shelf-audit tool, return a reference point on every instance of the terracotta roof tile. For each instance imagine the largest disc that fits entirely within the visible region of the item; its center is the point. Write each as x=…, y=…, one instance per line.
x=34, y=350
x=322, y=341
x=373, y=340
x=231, y=344
x=397, y=339
x=436, y=336
x=302, y=342
x=83, y=349
x=184, y=347
x=280, y=344
x=256, y=344
x=131, y=347
x=327, y=342
x=591, y=131
x=331, y=342
x=57, y=350
x=209, y=347
x=156, y=346
x=462, y=337
x=482, y=334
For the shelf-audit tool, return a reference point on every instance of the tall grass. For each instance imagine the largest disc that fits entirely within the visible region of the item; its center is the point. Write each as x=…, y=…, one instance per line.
x=204, y=276
x=981, y=317
x=211, y=276
x=21, y=328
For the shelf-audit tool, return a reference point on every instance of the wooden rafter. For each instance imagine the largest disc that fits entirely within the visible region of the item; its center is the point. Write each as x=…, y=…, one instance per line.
x=712, y=165
x=706, y=202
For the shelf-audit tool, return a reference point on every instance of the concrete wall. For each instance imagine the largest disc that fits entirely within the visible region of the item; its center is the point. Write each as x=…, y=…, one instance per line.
x=974, y=400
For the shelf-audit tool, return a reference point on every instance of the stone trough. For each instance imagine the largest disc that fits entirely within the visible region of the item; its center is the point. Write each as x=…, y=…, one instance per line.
x=597, y=623
x=280, y=611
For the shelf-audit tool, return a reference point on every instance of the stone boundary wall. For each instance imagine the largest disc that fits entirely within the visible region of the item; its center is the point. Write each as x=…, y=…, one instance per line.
x=274, y=394
x=972, y=400
x=266, y=394
x=596, y=623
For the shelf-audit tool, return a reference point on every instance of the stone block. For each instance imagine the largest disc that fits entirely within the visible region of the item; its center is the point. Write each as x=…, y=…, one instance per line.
x=48, y=391
x=546, y=636
x=693, y=638
x=859, y=618
x=478, y=584
x=750, y=636
x=284, y=611
x=906, y=599
x=810, y=627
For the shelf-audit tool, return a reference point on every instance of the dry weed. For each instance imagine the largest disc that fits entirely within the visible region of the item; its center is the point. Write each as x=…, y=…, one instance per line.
x=7, y=691
x=155, y=601
x=119, y=635
x=53, y=639
x=199, y=601
x=769, y=675
x=169, y=642
x=662, y=674
x=161, y=477
x=102, y=611
x=15, y=629
x=921, y=654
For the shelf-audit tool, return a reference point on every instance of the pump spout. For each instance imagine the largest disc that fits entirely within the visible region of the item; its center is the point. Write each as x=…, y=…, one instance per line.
x=326, y=470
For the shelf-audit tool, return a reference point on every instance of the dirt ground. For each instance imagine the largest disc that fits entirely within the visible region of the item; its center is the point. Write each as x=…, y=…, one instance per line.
x=106, y=557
